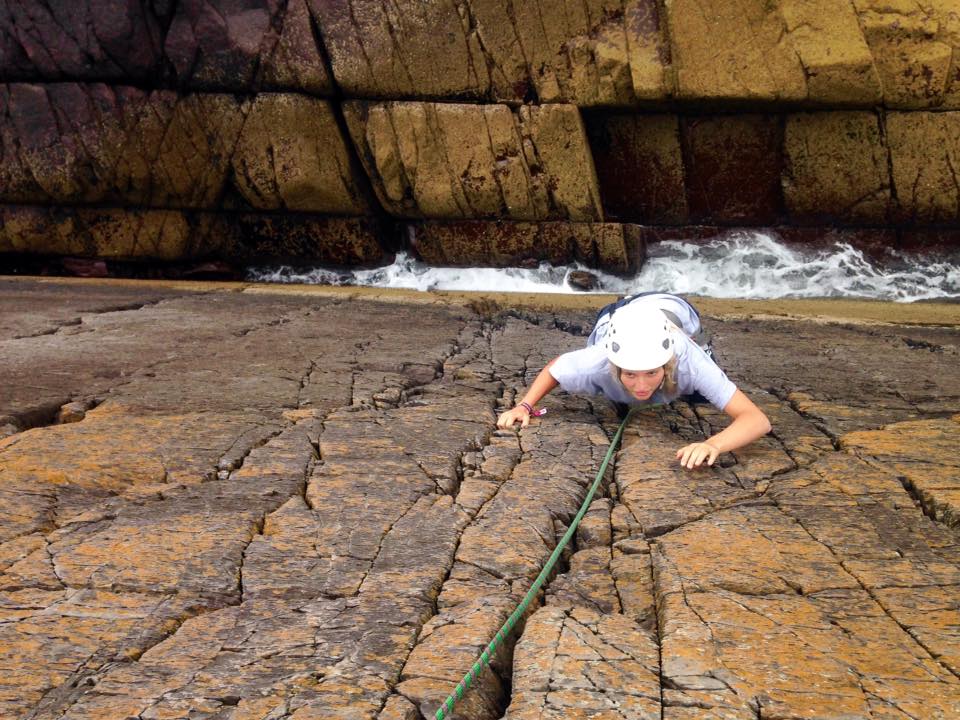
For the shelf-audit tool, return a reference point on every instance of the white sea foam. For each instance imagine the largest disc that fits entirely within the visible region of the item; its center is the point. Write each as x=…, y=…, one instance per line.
x=737, y=265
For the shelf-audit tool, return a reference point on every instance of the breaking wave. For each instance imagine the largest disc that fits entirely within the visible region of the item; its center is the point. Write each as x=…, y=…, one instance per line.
x=739, y=265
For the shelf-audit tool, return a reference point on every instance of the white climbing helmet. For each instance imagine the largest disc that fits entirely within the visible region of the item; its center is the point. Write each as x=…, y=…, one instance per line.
x=640, y=337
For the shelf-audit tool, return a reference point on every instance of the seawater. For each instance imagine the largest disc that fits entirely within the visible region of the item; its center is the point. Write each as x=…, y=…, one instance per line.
x=738, y=265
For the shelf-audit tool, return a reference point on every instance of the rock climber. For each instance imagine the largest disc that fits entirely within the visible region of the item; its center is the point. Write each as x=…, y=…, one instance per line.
x=650, y=348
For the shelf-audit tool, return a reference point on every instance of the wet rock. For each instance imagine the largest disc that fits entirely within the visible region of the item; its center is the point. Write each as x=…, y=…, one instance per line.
x=581, y=280
x=312, y=239
x=83, y=267
x=616, y=248
x=127, y=234
x=106, y=233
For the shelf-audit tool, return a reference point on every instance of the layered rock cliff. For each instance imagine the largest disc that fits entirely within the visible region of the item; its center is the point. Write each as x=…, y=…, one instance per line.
x=480, y=131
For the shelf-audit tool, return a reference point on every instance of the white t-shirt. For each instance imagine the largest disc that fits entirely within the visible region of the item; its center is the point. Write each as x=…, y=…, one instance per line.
x=588, y=372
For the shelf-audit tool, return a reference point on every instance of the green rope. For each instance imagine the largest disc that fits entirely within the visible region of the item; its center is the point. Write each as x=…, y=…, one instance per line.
x=484, y=659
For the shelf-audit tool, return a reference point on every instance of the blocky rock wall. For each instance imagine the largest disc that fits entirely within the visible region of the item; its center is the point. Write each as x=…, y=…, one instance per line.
x=473, y=131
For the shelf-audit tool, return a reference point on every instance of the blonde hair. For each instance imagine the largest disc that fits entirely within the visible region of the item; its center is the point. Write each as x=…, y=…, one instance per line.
x=669, y=384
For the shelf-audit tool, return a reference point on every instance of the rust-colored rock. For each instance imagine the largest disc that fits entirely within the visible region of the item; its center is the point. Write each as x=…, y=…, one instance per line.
x=921, y=452
x=640, y=167
x=314, y=239
x=92, y=144
x=194, y=156
x=735, y=169
x=296, y=62
x=217, y=46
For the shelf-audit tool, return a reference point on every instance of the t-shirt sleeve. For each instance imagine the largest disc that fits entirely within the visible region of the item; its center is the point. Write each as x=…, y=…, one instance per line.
x=576, y=371
x=708, y=379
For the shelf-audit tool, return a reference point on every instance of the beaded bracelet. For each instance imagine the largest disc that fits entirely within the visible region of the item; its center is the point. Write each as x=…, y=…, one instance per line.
x=533, y=413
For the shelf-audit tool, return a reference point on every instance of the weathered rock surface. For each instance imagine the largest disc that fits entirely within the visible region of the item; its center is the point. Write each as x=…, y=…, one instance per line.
x=214, y=45
x=921, y=453
x=258, y=504
x=114, y=171
x=836, y=167
x=290, y=155
x=117, y=233
x=595, y=53
x=425, y=160
x=776, y=52
x=619, y=248
x=640, y=167
x=70, y=143
x=599, y=53
x=914, y=49
x=928, y=189
x=89, y=40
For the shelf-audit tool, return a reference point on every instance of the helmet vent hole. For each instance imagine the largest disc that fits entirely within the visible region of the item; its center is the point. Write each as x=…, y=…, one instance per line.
x=666, y=344
x=615, y=346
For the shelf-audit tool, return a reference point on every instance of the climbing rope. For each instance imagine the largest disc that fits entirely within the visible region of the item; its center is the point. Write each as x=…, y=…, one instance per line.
x=447, y=706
